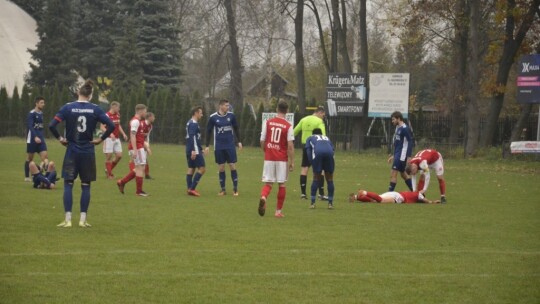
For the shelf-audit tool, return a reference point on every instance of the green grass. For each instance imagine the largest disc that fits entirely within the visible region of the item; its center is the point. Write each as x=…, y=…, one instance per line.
x=482, y=247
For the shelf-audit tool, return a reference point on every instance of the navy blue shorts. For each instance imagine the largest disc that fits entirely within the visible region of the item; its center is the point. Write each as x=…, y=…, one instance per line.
x=225, y=156
x=32, y=147
x=324, y=162
x=79, y=164
x=399, y=165
x=198, y=162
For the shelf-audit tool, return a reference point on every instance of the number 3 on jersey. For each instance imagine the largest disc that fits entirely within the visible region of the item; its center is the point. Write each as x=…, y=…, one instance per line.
x=276, y=135
x=81, y=124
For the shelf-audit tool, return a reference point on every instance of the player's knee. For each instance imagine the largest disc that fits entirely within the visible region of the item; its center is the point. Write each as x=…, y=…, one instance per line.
x=68, y=182
x=85, y=184
x=202, y=170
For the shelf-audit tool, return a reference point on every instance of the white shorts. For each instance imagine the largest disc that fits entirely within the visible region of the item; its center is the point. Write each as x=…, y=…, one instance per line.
x=112, y=145
x=398, y=199
x=140, y=160
x=275, y=171
x=438, y=166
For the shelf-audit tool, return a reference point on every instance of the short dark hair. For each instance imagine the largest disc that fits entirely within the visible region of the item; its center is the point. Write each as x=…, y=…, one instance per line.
x=87, y=88
x=317, y=131
x=397, y=115
x=38, y=99
x=282, y=107
x=195, y=109
x=223, y=101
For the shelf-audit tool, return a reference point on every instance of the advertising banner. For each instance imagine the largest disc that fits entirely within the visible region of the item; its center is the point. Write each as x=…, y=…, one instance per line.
x=346, y=94
x=528, y=79
x=388, y=92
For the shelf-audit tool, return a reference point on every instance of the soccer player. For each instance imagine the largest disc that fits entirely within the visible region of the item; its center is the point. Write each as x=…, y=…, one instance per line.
x=306, y=125
x=402, y=151
x=407, y=197
x=112, y=144
x=225, y=128
x=137, y=153
x=35, y=141
x=44, y=176
x=426, y=160
x=149, y=124
x=320, y=152
x=194, y=152
x=81, y=118
x=277, y=140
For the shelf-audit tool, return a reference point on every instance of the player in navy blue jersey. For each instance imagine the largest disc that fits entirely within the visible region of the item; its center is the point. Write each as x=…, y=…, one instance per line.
x=194, y=152
x=81, y=118
x=403, y=145
x=320, y=153
x=43, y=176
x=224, y=128
x=35, y=141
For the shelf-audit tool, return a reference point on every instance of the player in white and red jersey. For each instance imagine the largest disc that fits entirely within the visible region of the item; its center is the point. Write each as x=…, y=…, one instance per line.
x=277, y=138
x=426, y=160
x=112, y=144
x=136, y=151
x=393, y=197
x=147, y=129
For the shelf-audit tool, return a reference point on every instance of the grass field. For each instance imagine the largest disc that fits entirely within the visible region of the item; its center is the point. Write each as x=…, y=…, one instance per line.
x=482, y=247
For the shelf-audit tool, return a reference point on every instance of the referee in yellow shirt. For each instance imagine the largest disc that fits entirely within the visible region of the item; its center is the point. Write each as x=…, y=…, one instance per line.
x=306, y=125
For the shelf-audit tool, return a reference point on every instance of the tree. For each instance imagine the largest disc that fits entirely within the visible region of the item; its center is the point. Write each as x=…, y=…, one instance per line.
x=54, y=54
x=511, y=42
x=299, y=51
x=127, y=69
x=236, y=92
x=157, y=39
x=95, y=34
x=473, y=123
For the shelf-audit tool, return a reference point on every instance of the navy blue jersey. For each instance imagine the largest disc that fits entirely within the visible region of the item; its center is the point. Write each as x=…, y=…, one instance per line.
x=318, y=145
x=81, y=119
x=403, y=143
x=224, y=128
x=193, y=137
x=34, y=124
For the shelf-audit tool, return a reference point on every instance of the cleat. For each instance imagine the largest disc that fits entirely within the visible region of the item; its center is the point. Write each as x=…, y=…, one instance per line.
x=312, y=206
x=120, y=186
x=303, y=196
x=148, y=177
x=330, y=206
x=27, y=179
x=64, y=224
x=323, y=197
x=193, y=192
x=222, y=193
x=235, y=193
x=262, y=206
x=142, y=193
x=84, y=224
x=278, y=214
x=443, y=199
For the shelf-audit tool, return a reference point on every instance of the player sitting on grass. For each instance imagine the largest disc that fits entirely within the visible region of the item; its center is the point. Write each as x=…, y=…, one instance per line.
x=407, y=197
x=44, y=176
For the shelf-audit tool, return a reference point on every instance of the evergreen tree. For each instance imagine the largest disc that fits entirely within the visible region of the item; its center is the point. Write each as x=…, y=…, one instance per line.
x=127, y=69
x=54, y=52
x=94, y=34
x=158, y=40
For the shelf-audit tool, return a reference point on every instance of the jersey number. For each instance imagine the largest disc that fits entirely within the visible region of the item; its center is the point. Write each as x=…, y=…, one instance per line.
x=81, y=124
x=276, y=135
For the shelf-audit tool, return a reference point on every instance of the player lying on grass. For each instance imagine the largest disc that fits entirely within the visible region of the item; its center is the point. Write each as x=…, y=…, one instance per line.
x=407, y=197
x=44, y=176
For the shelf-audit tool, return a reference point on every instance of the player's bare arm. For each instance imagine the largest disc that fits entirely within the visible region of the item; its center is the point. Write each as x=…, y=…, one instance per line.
x=290, y=154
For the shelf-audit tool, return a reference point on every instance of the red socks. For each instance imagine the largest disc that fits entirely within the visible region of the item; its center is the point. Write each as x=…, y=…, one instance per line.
x=442, y=186
x=128, y=177
x=109, y=167
x=147, y=169
x=265, y=191
x=281, y=197
x=139, y=181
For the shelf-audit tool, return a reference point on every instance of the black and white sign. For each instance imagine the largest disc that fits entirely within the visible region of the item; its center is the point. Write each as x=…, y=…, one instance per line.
x=346, y=94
